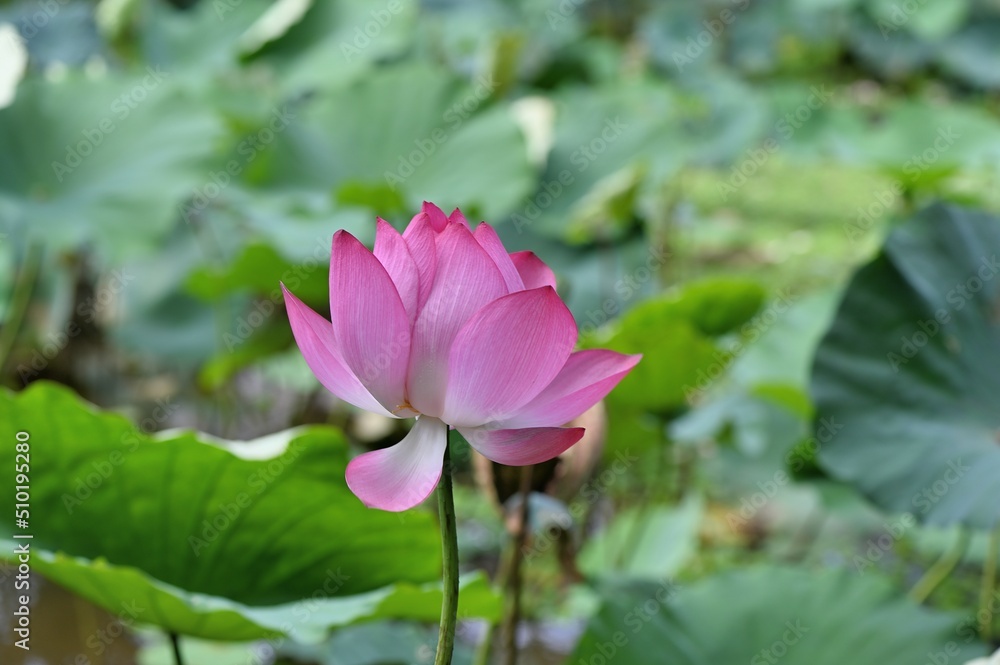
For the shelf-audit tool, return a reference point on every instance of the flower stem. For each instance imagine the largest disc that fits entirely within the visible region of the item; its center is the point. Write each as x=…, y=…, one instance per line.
x=514, y=578
x=941, y=569
x=989, y=580
x=485, y=648
x=175, y=641
x=449, y=552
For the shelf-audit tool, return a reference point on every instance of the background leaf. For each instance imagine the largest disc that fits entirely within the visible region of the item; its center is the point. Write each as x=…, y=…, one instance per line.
x=906, y=370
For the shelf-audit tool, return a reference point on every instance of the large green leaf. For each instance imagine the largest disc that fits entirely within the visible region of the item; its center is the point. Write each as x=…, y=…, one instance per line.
x=352, y=35
x=615, y=146
x=971, y=54
x=104, y=160
x=675, y=358
x=720, y=305
x=674, y=334
x=342, y=156
x=765, y=614
x=909, y=370
x=123, y=589
x=66, y=36
x=203, y=39
x=782, y=344
x=215, y=539
x=413, y=133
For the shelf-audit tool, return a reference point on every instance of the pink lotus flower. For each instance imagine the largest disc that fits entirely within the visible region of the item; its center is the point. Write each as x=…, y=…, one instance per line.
x=442, y=324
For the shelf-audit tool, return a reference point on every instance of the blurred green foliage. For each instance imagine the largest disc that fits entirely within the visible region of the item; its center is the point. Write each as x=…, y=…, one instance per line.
x=703, y=177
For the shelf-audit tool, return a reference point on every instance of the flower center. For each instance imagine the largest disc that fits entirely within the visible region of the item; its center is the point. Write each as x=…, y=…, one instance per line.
x=405, y=406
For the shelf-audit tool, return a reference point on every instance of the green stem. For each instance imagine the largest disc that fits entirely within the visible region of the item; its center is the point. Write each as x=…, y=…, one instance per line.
x=19, y=301
x=175, y=640
x=449, y=552
x=520, y=537
x=502, y=580
x=939, y=572
x=648, y=501
x=485, y=648
x=988, y=584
